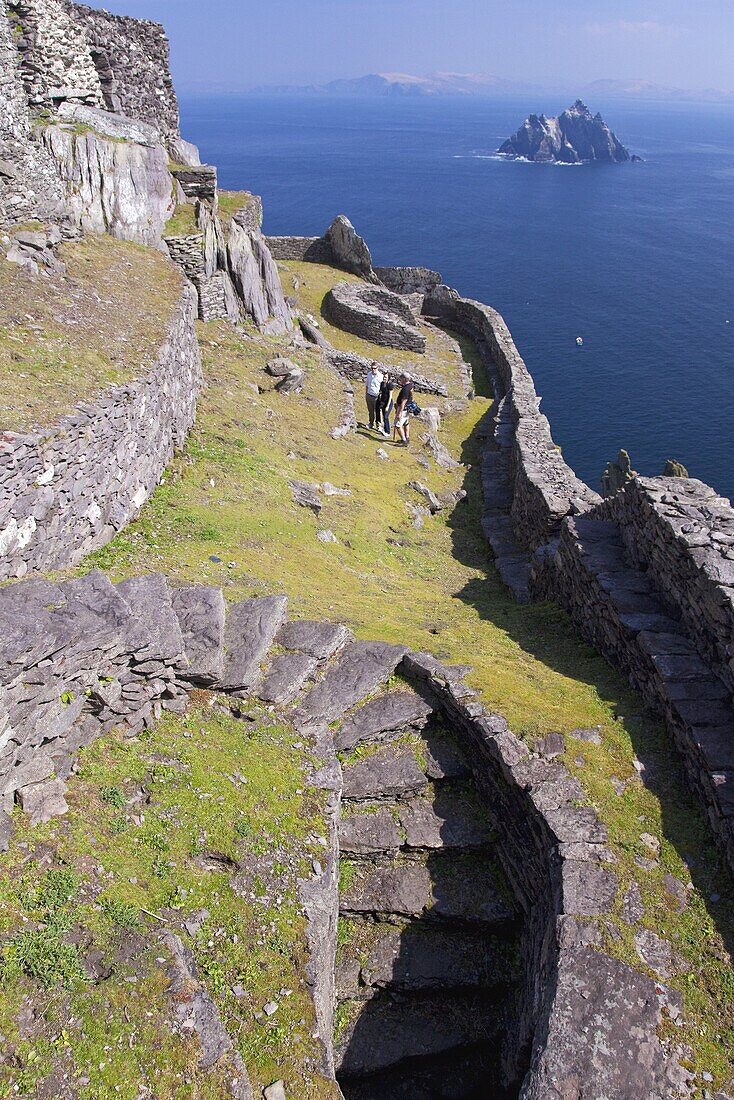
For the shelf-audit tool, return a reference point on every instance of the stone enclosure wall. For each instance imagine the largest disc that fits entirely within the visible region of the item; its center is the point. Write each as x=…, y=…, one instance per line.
x=314, y=250
x=82, y=656
x=682, y=533
x=647, y=575
x=131, y=58
x=69, y=489
x=72, y=52
x=374, y=314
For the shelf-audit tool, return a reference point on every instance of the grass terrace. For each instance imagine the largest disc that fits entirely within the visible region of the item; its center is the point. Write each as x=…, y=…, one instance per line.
x=209, y=819
x=225, y=515
x=65, y=339
x=182, y=222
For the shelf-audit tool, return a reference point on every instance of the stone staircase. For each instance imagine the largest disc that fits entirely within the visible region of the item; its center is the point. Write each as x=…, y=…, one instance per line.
x=511, y=559
x=445, y=976
x=620, y=611
x=82, y=656
x=425, y=975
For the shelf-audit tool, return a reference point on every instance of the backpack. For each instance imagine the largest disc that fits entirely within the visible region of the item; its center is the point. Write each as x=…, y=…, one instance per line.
x=413, y=407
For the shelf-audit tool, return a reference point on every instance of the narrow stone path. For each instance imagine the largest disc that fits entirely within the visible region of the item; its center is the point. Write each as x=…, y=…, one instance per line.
x=425, y=966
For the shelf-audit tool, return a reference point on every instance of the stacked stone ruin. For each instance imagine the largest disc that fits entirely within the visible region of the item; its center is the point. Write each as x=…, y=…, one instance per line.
x=646, y=575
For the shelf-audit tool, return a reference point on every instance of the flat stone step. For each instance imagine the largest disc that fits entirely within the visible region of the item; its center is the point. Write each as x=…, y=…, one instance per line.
x=94, y=597
x=387, y=1032
x=455, y=1075
x=444, y=758
x=393, y=772
x=155, y=631
x=285, y=677
x=248, y=635
x=201, y=615
x=446, y=818
x=360, y=669
x=390, y=713
x=370, y=833
x=316, y=639
x=439, y=887
x=422, y=957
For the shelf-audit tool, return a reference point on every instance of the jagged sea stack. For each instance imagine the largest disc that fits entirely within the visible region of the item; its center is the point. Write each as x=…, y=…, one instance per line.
x=573, y=137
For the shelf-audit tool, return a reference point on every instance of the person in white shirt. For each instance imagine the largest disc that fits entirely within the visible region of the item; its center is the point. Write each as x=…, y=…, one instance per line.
x=373, y=381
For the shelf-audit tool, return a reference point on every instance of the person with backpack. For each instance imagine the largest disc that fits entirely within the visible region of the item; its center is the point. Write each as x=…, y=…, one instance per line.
x=384, y=405
x=372, y=384
x=403, y=408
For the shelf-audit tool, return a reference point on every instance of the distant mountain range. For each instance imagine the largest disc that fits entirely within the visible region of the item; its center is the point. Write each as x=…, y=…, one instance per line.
x=472, y=84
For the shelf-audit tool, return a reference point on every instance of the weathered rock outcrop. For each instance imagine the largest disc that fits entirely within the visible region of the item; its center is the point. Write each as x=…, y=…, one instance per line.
x=349, y=250
x=109, y=185
x=574, y=137
x=230, y=264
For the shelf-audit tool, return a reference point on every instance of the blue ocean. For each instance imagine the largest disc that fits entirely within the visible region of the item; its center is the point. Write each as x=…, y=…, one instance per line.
x=635, y=259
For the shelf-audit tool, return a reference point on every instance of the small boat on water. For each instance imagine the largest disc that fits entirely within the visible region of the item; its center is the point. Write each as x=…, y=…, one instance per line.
x=580, y=341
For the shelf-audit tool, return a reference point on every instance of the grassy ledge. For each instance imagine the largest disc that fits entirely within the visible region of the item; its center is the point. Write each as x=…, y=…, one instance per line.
x=65, y=339
x=224, y=515
x=207, y=818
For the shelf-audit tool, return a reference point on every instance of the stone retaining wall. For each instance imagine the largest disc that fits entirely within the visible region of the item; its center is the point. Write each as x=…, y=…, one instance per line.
x=682, y=533
x=78, y=658
x=313, y=250
x=355, y=367
x=69, y=489
x=544, y=488
x=552, y=848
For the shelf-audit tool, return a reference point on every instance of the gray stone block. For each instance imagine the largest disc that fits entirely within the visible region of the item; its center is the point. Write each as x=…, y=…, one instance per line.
x=201, y=615
x=249, y=633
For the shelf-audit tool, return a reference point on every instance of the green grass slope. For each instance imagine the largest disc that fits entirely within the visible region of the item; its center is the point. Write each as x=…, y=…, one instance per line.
x=225, y=515
x=66, y=338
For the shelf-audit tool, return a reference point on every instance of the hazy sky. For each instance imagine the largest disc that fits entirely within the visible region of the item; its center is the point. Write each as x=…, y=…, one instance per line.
x=242, y=43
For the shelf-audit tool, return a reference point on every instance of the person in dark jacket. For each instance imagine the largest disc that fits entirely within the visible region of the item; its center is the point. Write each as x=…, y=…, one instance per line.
x=402, y=416
x=384, y=404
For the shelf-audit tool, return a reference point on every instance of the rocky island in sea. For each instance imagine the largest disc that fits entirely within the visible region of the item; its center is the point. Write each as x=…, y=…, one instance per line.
x=573, y=137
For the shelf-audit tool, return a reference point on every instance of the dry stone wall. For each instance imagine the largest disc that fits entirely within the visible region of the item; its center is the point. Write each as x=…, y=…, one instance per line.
x=637, y=619
x=67, y=490
x=375, y=314
x=314, y=250
x=544, y=489
x=55, y=54
x=28, y=182
x=55, y=59
x=647, y=575
x=80, y=657
x=681, y=532
x=131, y=57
